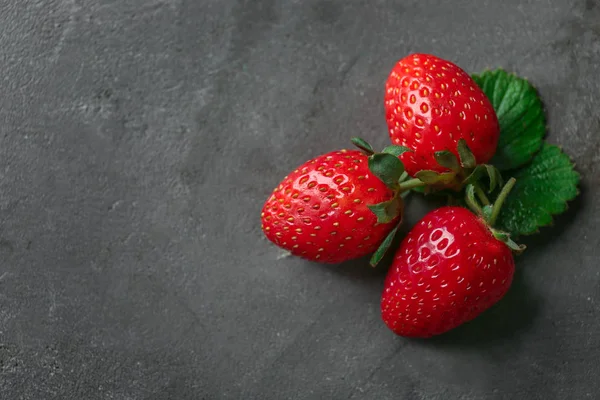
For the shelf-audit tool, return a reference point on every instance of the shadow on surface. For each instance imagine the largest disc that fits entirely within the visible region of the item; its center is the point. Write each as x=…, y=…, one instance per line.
x=513, y=315
x=516, y=312
x=360, y=269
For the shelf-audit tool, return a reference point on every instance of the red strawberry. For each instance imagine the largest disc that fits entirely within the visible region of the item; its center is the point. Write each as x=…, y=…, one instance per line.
x=334, y=208
x=430, y=104
x=450, y=268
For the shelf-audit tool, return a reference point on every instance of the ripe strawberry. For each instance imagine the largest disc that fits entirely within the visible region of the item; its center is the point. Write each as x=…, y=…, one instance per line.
x=450, y=268
x=333, y=208
x=430, y=104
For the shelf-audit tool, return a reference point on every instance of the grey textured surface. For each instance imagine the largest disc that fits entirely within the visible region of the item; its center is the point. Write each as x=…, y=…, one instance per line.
x=138, y=141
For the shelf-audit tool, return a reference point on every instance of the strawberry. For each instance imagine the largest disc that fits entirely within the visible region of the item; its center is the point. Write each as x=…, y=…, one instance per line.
x=430, y=104
x=451, y=267
x=339, y=206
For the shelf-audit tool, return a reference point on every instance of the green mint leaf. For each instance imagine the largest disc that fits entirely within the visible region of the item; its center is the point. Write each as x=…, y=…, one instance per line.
x=521, y=116
x=386, y=167
x=396, y=150
x=383, y=248
x=387, y=210
x=543, y=188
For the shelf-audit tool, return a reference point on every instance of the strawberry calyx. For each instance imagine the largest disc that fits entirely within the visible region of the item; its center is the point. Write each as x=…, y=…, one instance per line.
x=462, y=170
x=388, y=167
x=489, y=213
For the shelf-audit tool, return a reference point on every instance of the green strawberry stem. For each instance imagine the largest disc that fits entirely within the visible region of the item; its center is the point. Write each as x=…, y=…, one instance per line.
x=404, y=193
x=500, y=200
x=490, y=212
x=505, y=237
x=481, y=194
x=460, y=172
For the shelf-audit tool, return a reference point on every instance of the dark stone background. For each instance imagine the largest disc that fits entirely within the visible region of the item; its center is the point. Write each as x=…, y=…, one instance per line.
x=139, y=139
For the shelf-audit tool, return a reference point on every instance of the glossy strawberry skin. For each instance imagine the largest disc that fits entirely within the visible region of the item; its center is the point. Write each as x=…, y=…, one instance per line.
x=447, y=271
x=319, y=211
x=430, y=104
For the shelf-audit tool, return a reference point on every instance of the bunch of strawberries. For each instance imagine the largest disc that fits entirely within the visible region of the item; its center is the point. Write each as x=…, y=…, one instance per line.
x=346, y=204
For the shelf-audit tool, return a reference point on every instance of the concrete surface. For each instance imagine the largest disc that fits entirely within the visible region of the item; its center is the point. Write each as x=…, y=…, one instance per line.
x=139, y=139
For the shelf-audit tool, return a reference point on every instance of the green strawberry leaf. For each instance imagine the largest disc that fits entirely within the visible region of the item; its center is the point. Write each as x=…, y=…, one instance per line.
x=386, y=167
x=363, y=145
x=467, y=159
x=470, y=200
x=428, y=176
x=476, y=175
x=489, y=172
x=447, y=160
x=396, y=150
x=383, y=247
x=387, y=210
x=432, y=177
x=495, y=177
x=542, y=190
x=520, y=114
